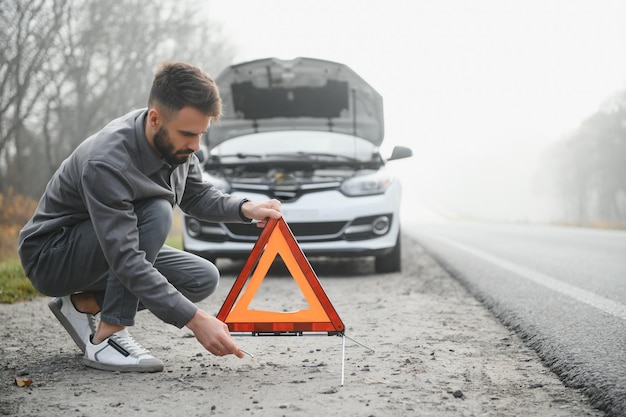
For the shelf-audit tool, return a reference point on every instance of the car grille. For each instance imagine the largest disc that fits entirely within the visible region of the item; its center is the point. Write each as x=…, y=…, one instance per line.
x=303, y=231
x=357, y=229
x=286, y=193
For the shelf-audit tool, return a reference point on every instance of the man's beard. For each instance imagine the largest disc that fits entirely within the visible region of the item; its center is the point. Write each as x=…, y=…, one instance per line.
x=166, y=149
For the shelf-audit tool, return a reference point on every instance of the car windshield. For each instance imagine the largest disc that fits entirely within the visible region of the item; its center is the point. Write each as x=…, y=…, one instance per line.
x=296, y=144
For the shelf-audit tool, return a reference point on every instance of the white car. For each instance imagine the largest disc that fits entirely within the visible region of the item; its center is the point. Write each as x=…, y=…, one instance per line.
x=306, y=132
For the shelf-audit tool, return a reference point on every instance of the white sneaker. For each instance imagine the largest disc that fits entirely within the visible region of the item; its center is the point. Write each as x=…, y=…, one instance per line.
x=79, y=325
x=120, y=352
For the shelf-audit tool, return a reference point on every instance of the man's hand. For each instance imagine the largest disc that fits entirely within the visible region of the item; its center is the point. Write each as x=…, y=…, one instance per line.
x=262, y=211
x=213, y=335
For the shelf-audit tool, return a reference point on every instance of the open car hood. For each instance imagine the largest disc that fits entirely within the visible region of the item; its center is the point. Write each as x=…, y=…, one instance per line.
x=301, y=94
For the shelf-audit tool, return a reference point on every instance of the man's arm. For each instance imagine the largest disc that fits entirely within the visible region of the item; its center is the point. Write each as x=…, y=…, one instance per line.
x=202, y=200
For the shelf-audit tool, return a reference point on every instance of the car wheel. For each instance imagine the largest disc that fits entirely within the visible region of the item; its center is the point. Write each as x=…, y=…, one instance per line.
x=391, y=262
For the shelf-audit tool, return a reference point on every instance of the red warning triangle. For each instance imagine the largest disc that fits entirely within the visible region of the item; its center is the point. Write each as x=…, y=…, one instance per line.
x=277, y=239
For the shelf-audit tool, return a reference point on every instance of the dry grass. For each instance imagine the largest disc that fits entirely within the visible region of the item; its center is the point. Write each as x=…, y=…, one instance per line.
x=15, y=210
x=14, y=286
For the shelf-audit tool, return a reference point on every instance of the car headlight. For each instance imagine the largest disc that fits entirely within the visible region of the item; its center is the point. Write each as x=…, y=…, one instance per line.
x=219, y=183
x=371, y=184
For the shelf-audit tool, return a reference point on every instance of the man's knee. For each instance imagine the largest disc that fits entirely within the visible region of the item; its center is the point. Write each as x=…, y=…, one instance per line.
x=195, y=277
x=205, y=282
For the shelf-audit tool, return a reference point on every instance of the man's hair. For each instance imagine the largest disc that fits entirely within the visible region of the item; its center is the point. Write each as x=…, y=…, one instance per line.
x=177, y=84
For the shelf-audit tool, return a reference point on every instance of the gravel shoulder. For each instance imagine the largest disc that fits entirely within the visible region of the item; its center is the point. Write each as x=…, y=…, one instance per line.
x=436, y=351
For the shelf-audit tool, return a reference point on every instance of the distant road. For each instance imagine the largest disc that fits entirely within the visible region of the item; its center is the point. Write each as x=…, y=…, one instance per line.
x=562, y=289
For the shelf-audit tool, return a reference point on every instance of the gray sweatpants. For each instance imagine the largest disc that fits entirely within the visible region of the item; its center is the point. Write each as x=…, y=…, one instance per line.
x=74, y=263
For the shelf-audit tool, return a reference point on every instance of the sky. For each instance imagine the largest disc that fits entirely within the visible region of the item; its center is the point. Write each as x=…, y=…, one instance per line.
x=478, y=89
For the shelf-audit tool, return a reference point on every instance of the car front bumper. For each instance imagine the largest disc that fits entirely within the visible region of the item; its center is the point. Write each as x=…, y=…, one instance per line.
x=340, y=227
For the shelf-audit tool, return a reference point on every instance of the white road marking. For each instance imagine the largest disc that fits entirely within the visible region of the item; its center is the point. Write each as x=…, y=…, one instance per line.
x=601, y=303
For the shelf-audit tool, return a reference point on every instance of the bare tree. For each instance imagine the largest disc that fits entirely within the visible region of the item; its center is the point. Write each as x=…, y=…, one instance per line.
x=110, y=54
x=91, y=61
x=28, y=30
x=589, y=168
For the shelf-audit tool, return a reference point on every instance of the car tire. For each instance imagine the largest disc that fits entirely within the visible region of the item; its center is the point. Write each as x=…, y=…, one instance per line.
x=391, y=262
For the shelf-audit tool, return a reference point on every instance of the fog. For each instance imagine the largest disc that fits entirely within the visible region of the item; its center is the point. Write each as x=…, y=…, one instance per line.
x=478, y=89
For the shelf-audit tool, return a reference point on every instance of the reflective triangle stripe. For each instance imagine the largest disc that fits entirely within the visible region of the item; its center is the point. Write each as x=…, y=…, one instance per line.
x=277, y=239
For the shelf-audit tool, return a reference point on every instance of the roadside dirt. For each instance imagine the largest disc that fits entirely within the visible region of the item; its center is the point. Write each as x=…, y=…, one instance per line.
x=436, y=352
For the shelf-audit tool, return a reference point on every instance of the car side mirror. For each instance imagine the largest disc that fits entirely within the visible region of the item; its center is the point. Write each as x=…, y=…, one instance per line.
x=400, y=152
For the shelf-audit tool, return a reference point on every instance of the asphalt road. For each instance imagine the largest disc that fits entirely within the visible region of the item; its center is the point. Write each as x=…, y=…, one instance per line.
x=562, y=289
